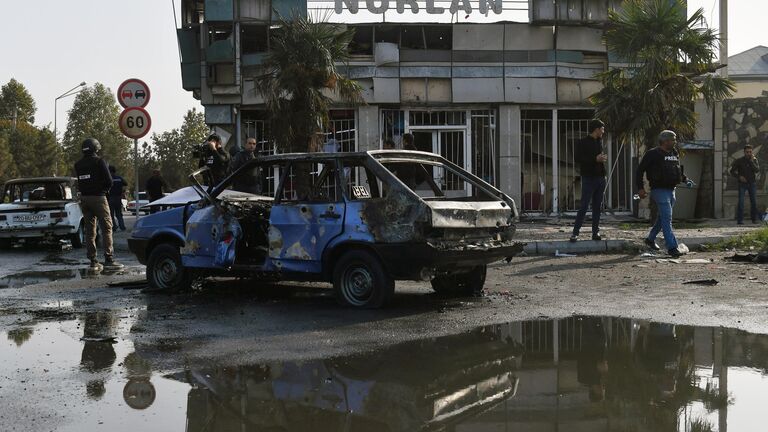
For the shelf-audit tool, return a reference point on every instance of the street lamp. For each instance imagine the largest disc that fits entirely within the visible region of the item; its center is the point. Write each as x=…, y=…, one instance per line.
x=69, y=92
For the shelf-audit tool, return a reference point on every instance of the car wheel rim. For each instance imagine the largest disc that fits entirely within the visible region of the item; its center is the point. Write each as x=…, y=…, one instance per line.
x=81, y=234
x=165, y=272
x=357, y=285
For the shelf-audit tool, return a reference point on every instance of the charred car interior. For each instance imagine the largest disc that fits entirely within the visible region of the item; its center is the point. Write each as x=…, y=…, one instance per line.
x=357, y=220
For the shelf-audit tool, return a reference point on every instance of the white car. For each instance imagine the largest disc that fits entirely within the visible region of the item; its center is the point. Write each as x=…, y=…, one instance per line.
x=143, y=201
x=41, y=208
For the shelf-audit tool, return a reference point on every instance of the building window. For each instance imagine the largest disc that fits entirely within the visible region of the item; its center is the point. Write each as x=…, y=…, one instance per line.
x=254, y=38
x=437, y=118
x=362, y=41
x=341, y=133
x=438, y=37
x=192, y=12
x=387, y=33
x=392, y=128
x=412, y=37
x=221, y=74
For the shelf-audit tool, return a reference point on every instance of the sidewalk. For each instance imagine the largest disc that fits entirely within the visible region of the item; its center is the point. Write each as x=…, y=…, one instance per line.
x=546, y=237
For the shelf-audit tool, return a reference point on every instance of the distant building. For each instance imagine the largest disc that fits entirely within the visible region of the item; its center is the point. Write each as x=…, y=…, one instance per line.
x=749, y=70
x=506, y=100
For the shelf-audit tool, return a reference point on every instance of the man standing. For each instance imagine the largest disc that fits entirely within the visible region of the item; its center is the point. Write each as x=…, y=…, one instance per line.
x=662, y=164
x=154, y=188
x=216, y=159
x=745, y=169
x=116, y=199
x=591, y=157
x=94, y=182
x=249, y=181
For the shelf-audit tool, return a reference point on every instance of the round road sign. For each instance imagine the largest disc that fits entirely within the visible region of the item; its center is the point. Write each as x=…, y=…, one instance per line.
x=135, y=122
x=133, y=93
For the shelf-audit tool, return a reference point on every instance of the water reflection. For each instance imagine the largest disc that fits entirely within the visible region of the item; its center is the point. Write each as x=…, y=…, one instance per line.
x=98, y=353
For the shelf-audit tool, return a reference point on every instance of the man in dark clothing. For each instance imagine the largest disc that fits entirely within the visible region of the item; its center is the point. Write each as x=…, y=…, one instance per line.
x=154, y=188
x=591, y=157
x=216, y=159
x=115, y=199
x=662, y=164
x=745, y=169
x=250, y=180
x=94, y=182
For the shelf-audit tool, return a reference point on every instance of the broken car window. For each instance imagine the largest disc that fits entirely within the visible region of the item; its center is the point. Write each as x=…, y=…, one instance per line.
x=359, y=182
x=309, y=181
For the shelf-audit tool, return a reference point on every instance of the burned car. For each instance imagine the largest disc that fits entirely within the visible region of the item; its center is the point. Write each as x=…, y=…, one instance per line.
x=41, y=208
x=357, y=220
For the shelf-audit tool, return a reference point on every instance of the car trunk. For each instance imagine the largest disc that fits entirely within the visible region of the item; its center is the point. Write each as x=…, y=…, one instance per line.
x=31, y=214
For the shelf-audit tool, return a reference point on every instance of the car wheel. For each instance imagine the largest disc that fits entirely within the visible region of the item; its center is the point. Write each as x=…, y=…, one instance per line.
x=359, y=280
x=165, y=271
x=78, y=238
x=462, y=284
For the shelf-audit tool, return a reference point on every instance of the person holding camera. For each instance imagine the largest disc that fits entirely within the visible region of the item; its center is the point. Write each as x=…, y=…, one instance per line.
x=216, y=159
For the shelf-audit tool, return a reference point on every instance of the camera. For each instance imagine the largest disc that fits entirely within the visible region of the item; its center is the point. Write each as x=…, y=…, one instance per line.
x=201, y=150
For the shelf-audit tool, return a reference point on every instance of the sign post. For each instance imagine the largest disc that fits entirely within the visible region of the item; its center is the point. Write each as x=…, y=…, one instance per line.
x=133, y=95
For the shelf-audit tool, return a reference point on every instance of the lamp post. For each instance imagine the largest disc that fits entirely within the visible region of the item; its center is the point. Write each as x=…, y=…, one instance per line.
x=69, y=92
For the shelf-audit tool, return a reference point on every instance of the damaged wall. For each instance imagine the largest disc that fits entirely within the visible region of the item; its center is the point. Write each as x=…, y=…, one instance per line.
x=745, y=122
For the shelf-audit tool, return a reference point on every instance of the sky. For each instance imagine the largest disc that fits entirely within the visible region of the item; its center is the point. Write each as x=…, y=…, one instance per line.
x=52, y=45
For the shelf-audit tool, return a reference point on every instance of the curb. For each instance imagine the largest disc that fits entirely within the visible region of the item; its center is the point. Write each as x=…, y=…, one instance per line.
x=601, y=246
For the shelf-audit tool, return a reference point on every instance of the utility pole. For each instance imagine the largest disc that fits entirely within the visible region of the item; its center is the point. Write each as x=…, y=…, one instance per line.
x=719, y=138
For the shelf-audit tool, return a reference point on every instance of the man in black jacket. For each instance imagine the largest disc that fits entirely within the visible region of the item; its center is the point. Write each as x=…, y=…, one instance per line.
x=745, y=169
x=216, y=159
x=154, y=187
x=592, y=158
x=94, y=182
x=662, y=164
x=248, y=181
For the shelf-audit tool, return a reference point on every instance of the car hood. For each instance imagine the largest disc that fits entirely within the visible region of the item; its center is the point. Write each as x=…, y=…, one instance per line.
x=475, y=214
x=32, y=206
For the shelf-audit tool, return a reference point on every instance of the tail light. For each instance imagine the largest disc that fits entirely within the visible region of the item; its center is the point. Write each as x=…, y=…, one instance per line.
x=58, y=215
x=228, y=237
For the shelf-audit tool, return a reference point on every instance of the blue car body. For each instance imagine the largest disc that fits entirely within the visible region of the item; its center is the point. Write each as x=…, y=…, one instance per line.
x=364, y=202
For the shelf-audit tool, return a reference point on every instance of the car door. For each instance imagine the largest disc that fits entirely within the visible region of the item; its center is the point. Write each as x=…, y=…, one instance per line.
x=308, y=214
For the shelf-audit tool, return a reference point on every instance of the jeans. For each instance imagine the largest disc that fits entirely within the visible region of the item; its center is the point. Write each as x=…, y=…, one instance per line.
x=116, y=211
x=592, y=190
x=665, y=200
x=752, y=189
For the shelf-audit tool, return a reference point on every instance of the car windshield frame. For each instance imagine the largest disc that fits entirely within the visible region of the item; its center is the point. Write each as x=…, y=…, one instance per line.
x=27, y=194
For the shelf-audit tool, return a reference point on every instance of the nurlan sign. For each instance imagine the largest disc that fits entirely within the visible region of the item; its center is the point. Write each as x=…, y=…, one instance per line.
x=384, y=5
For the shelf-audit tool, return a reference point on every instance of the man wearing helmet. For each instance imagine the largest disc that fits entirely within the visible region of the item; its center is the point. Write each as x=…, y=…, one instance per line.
x=662, y=165
x=94, y=182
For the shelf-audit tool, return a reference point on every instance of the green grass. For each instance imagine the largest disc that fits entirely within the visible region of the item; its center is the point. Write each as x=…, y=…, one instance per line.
x=756, y=240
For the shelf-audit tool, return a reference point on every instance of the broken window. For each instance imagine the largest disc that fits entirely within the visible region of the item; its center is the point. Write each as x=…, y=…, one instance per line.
x=362, y=41
x=309, y=181
x=387, y=33
x=359, y=182
x=412, y=37
x=192, y=12
x=254, y=38
x=221, y=74
x=221, y=47
x=438, y=37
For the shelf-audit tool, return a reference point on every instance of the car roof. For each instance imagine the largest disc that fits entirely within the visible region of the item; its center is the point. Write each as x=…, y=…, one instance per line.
x=41, y=179
x=378, y=154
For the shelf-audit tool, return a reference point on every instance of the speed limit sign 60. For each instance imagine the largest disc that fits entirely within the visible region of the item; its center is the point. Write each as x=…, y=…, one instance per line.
x=135, y=122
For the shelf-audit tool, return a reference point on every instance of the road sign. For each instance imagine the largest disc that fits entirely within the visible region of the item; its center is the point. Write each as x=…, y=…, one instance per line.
x=135, y=122
x=133, y=93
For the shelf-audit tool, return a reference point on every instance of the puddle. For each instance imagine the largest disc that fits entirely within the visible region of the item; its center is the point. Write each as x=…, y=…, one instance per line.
x=35, y=277
x=580, y=373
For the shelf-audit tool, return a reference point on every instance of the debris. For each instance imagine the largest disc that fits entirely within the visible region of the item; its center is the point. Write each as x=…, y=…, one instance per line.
x=697, y=261
x=759, y=258
x=706, y=282
x=563, y=255
x=648, y=255
x=110, y=339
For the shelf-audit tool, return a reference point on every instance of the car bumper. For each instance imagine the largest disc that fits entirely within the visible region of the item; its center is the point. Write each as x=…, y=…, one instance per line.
x=138, y=246
x=12, y=232
x=410, y=261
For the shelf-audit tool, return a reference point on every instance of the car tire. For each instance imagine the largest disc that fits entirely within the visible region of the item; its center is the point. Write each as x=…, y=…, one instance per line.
x=165, y=271
x=78, y=238
x=463, y=284
x=360, y=280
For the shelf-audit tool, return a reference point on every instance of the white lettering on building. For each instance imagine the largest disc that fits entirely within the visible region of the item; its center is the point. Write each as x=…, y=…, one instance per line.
x=353, y=6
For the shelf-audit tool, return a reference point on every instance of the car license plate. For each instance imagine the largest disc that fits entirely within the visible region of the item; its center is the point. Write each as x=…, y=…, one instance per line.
x=29, y=218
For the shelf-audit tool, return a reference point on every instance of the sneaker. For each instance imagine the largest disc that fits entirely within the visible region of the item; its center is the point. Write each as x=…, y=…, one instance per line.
x=651, y=244
x=95, y=266
x=739, y=223
x=597, y=237
x=674, y=253
x=110, y=263
x=574, y=238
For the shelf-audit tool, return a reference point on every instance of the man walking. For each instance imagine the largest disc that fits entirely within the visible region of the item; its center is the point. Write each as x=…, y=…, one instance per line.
x=116, y=199
x=94, y=182
x=662, y=165
x=745, y=169
x=154, y=188
x=592, y=158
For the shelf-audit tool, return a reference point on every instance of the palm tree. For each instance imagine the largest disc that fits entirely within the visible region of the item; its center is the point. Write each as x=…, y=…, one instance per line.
x=669, y=64
x=300, y=78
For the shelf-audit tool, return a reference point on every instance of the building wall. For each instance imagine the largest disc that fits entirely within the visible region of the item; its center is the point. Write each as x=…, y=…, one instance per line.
x=750, y=89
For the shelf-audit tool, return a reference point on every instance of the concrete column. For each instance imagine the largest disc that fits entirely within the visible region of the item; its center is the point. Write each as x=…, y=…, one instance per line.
x=510, y=163
x=720, y=153
x=368, y=128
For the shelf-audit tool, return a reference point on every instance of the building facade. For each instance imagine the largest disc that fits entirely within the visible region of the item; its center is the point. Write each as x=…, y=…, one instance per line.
x=506, y=100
